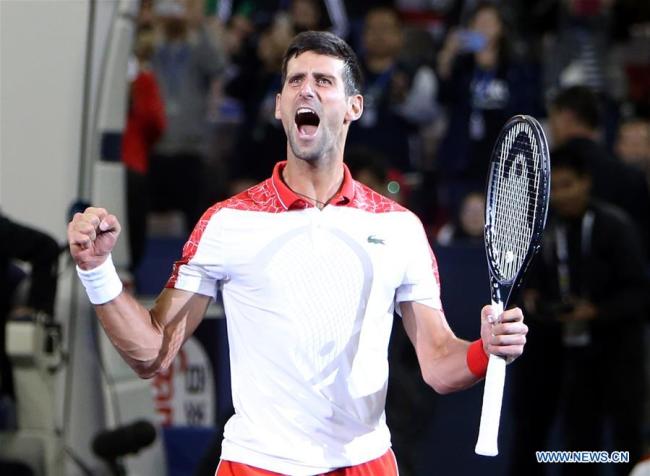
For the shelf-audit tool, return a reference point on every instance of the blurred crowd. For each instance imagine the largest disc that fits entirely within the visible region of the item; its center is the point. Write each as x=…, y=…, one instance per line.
x=441, y=77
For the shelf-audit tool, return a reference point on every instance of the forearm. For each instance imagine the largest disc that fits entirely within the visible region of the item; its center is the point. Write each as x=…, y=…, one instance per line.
x=448, y=363
x=449, y=372
x=133, y=332
x=442, y=356
x=147, y=340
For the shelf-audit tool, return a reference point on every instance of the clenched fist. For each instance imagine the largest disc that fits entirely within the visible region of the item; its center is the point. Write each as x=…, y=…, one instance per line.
x=92, y=236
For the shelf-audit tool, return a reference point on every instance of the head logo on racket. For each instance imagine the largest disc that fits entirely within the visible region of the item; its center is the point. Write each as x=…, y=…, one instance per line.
x=515, y=186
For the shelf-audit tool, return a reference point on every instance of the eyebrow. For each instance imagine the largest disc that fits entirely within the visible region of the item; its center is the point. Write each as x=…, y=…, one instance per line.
x=325, y=76
x=316, y=75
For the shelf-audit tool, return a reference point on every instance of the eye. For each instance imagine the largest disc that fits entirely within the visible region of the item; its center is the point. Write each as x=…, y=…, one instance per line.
x=324, y=81
x=294, y=80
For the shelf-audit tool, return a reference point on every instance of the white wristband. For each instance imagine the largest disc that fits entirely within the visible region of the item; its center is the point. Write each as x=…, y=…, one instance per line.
x=102, y=283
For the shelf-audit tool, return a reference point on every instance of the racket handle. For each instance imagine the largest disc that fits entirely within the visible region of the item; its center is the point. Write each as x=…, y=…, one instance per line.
x=488, y=432
x=487, y=443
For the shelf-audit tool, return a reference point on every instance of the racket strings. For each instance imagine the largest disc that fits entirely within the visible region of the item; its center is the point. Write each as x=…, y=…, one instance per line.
x=515, y=193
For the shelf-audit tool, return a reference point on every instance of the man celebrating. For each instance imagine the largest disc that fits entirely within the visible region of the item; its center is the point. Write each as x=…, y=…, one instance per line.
x=312, y=265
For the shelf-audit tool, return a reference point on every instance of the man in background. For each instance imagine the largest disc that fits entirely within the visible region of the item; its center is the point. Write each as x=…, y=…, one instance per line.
x=187, y=66
x=41, y=252
x=586, y=301
x=632, y=145
x=575, y=119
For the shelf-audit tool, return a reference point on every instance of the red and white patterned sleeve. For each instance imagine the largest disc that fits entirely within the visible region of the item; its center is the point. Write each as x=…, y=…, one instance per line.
x=202, y=263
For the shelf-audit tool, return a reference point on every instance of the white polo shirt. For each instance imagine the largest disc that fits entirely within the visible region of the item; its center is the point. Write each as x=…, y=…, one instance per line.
x=309, y=296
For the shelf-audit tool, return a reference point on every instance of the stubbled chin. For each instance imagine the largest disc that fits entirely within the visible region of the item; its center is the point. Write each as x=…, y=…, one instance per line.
x=305, y=149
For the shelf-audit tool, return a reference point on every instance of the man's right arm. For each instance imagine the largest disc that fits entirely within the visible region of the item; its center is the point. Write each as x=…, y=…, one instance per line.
x=147, y=340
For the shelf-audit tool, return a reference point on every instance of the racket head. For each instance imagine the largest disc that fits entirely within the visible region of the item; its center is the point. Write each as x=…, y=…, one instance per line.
x=517, y=196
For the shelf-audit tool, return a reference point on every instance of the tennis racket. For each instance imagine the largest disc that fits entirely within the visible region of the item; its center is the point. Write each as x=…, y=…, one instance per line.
x=515, y=214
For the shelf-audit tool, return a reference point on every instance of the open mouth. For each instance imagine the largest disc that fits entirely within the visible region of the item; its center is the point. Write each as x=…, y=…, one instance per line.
x=307, y=121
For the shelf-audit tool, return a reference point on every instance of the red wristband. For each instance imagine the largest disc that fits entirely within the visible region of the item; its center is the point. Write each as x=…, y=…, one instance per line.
x=477, y=359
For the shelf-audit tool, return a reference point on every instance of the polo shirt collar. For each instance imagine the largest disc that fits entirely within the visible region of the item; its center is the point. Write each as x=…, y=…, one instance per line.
x=290, y=200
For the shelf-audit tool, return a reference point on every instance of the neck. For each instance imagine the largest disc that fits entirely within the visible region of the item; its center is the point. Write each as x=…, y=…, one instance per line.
x=316, y=181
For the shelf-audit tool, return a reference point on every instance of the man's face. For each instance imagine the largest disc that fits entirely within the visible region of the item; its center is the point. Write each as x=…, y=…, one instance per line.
x=488, y=23
x=382, y=34
x=313, y=106
x=305, y=14
x=569, y=192
x=633, y=143
x=472, y=215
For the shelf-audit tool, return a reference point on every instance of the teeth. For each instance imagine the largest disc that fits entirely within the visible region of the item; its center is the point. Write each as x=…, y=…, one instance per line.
x=304, y=110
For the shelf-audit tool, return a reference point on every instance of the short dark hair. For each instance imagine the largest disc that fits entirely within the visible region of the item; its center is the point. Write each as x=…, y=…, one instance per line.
x=572, y=156
x=325, y=43
x=582, y=102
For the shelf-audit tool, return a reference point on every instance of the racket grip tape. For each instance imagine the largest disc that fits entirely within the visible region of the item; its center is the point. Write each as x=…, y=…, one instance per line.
x=491, y=412
x=487, y=443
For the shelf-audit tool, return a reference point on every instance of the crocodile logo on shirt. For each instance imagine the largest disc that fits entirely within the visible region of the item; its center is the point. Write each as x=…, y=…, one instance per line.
x=375, y=241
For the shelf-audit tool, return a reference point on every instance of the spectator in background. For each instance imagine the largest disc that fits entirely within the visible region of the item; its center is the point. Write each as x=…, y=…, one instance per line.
x=585, y=298
x=144, y=125
x=398, y=98
x=577, y=49
x=187, y=66
x=239, y=30
x=306, y=15
x=632, y=145
x=482, y=84
x=575, y=119
x=262, y=141
x=145, y=19
x=593, y=43
x=41, y=252
x=318, y=16
x=468, y=223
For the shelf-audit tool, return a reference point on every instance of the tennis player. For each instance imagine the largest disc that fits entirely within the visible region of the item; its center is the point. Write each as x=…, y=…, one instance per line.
x=312, y=265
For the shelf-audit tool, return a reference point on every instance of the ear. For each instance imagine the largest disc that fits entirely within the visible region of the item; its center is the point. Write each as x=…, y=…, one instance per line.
x=277, y=106
x=355, y=108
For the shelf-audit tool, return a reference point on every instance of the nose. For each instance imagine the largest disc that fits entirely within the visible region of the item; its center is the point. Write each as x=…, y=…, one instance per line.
x=306, y=89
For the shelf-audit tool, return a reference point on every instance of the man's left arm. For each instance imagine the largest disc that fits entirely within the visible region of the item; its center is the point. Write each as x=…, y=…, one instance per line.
x=449, y=364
